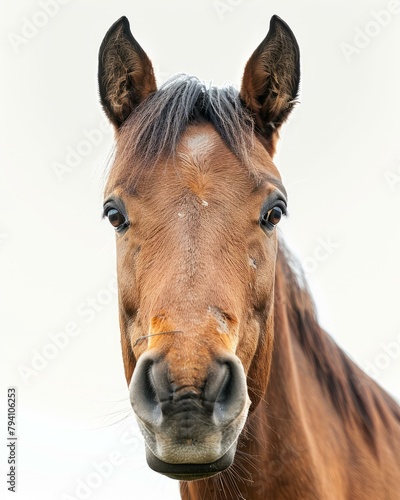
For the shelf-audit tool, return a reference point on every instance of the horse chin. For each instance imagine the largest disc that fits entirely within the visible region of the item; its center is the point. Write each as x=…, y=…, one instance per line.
x=190, y=472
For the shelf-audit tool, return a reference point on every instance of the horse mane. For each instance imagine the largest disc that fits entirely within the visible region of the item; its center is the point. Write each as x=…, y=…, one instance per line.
x=153, y=130
x=355, y=396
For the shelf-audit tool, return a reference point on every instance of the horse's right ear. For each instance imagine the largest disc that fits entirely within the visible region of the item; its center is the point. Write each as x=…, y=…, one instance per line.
x=271, y=81
x=126, y=75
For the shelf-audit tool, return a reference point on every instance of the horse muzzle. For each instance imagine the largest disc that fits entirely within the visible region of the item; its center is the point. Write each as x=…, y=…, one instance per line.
x=190, y=421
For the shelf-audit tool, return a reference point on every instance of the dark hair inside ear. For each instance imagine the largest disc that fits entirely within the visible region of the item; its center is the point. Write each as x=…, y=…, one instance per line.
x=271, y=79
x=125, y=75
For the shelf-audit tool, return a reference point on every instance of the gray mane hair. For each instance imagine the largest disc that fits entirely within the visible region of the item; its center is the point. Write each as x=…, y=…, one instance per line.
x=153, y=130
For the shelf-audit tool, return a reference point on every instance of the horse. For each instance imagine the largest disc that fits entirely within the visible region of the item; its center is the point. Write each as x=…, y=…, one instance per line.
x=238, y=391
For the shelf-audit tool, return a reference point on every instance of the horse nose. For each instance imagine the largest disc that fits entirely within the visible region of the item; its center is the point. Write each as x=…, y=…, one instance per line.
x=160, y=394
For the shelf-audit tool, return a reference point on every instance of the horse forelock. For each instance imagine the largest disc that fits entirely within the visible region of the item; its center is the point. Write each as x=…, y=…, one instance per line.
x=153, y=130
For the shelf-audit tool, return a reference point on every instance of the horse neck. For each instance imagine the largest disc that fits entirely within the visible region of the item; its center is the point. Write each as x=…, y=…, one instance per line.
x=282, y=419
x=320, y=410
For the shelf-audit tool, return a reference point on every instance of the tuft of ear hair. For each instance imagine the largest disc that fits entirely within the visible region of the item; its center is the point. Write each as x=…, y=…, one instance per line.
x=126, y=75
x=271, y=80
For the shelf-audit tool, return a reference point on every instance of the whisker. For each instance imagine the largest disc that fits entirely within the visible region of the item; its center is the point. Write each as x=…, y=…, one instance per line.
x=155, y=335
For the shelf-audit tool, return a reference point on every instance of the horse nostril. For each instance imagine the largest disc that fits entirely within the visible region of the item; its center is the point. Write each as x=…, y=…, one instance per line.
x=149, y=385
x=144, y=397
x=225, y=395
x=225, y=391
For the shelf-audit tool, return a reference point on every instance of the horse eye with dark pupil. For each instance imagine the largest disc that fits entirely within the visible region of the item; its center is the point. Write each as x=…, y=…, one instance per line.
x=116, y=218
x=274, y=216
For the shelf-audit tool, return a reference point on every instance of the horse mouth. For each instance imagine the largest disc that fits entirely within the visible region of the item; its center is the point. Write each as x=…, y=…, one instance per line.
x=190, y=472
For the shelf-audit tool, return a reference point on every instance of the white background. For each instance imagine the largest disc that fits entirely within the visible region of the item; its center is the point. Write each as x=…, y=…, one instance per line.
x=339, y=159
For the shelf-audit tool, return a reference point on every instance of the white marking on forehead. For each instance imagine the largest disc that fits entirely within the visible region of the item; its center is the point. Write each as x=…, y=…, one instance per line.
x=204, y=203
x=197, y=141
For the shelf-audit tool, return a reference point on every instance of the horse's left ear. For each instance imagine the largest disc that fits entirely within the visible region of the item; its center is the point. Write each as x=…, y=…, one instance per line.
x=271, y=80
x=126, y=75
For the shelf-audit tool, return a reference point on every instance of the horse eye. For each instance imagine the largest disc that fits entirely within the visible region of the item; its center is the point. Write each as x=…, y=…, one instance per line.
x=274, y=215
x=271, y=218
x=116, y=219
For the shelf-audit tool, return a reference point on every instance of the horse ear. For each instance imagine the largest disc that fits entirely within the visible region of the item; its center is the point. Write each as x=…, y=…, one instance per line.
x=126, y=75
x=271, y=80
